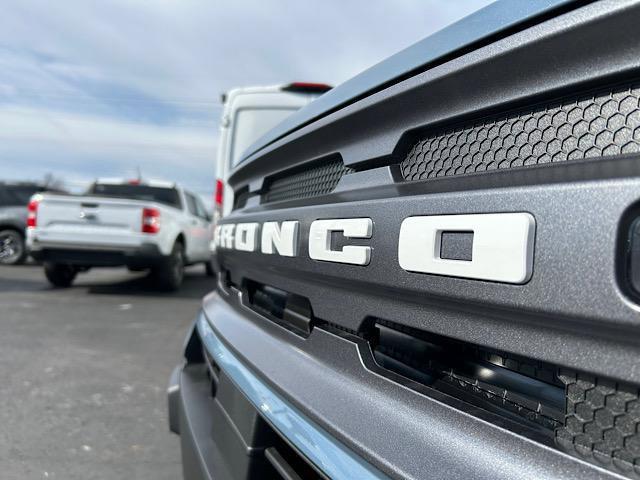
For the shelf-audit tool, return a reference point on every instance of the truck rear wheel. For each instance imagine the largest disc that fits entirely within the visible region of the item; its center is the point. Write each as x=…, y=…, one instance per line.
x=169, y=274
x=60, y=275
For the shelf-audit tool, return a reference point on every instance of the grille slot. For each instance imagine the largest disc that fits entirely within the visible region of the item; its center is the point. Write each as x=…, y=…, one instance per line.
x=518, y=389
x=592, y=125
x=593, y=418
x=308, y=181
x=290, y=465
x=291, y=311
x=240, y=198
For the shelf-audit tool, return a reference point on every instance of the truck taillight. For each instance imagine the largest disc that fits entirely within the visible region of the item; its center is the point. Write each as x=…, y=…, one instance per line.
x=218, y=199
x=219, y=193
x=32, y=213
x=150, y=220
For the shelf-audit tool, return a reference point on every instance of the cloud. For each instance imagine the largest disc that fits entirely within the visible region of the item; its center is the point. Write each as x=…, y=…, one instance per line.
x=64, y=128
x=80, y=147
x=96, y=88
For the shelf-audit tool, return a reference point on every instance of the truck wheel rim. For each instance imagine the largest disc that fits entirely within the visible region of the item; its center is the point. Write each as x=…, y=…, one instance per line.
x=10, y=248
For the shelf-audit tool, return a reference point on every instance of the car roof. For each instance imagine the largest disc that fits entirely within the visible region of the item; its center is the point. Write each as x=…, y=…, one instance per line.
x=122, y=181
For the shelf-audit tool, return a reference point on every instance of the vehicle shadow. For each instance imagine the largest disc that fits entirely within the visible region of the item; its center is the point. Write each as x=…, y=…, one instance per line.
x=195, y=286
x=12, y=285
x=30, y=278
x=21, y=278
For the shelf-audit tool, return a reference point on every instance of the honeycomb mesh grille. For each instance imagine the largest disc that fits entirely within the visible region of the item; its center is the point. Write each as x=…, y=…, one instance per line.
x=319, y=179
x=602, y=422
x=589, y=126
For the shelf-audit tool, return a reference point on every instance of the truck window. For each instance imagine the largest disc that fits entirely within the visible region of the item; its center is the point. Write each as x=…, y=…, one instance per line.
x=195, y=206
x=164, y=195
x=191, y=204
x=250, y=124
x=202, y=210
x=16, y=196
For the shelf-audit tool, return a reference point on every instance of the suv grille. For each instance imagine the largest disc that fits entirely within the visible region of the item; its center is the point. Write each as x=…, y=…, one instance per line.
x=602, y=421
x=591, y=417
x=310, y=181
x=596, y=125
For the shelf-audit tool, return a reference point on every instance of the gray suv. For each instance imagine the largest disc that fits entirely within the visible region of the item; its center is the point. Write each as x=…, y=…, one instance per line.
x=14, y=198
x=435, y=272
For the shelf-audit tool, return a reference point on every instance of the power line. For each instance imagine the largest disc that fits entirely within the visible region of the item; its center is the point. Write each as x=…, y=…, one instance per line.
x=99, y=98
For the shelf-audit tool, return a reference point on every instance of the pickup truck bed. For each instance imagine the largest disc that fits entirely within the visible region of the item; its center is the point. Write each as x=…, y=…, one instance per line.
x=70, y=233
x=94, y=223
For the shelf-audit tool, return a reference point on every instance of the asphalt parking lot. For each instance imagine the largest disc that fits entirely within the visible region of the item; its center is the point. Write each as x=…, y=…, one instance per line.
x=84, y=372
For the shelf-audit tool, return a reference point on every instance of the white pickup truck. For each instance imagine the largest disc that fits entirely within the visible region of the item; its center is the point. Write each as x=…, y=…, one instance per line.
x=143, y=225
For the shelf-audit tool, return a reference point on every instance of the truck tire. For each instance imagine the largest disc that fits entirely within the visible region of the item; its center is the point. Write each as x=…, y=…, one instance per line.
x=12, y=248
x=169, y=274
x=60, y=275
x=208, y=266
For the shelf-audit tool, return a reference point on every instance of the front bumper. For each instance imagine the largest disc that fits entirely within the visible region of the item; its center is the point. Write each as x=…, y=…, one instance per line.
x=233, y=425
x=317, y=395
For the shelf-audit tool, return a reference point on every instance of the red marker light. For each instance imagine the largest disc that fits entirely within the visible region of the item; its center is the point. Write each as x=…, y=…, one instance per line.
x=307, y=87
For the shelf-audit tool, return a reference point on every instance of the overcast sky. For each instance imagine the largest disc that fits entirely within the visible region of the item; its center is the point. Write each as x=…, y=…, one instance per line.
x=98, y=88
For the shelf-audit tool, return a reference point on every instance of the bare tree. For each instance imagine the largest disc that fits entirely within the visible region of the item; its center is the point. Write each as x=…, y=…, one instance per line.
x=52, y=182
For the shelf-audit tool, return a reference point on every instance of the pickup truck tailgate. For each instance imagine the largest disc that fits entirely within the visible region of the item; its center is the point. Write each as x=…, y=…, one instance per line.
x=90, y=221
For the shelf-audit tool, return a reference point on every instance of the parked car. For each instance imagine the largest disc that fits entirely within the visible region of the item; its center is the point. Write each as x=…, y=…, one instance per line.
x=437, y=274
x=143, y=225
x=14, y=198
x=249, y=113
